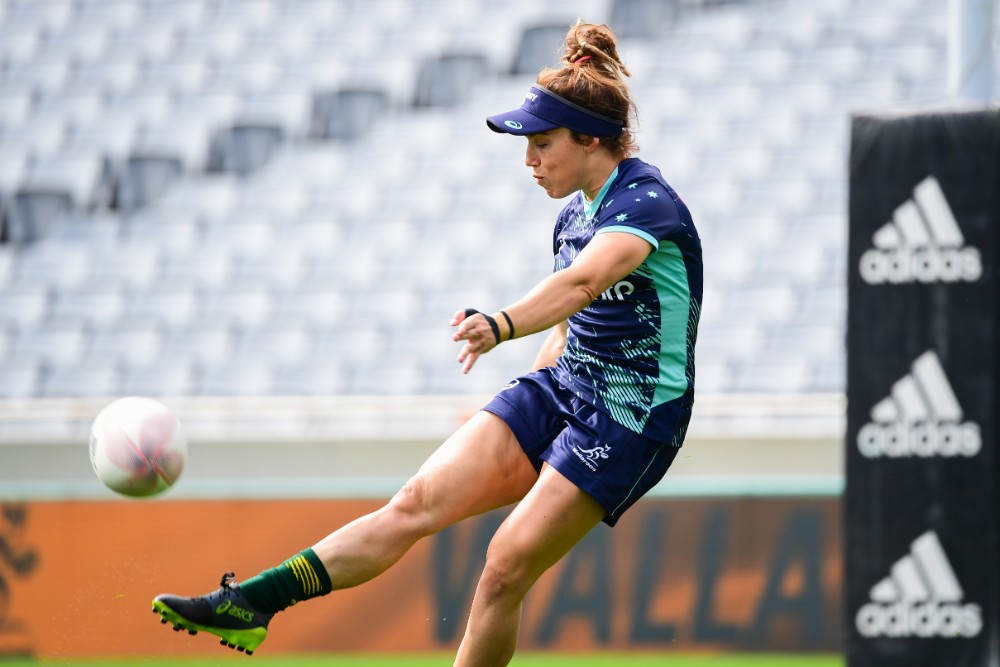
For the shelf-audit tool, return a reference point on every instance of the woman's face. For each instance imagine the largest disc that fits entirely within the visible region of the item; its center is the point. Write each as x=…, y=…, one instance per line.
x=557, y=162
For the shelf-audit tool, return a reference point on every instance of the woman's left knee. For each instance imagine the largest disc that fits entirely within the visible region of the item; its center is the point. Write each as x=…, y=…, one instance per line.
x=505, y=576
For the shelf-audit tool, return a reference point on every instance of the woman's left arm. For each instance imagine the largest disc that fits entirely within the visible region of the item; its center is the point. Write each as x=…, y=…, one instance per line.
x=605, y=260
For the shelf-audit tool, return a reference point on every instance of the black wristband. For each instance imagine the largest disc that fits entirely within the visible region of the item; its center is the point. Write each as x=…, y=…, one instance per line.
x=469, y=312
x=509, y=323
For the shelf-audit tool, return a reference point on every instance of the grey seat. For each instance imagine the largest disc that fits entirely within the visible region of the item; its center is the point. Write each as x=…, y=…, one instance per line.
x=538, y=47
x=449, y=79
x=246, y=146
x=346, y=113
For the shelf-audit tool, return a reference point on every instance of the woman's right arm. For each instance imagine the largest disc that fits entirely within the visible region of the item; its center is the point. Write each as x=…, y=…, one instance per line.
x=553, y=346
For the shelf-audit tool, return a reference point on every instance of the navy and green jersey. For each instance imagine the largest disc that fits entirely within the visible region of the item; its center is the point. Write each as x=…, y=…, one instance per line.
x=630, y=353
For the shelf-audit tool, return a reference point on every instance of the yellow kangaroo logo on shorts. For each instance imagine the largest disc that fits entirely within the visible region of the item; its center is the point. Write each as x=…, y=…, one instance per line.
x=229, y=608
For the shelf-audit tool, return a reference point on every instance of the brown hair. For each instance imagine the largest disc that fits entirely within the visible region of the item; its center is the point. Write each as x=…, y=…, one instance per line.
x=593, y=76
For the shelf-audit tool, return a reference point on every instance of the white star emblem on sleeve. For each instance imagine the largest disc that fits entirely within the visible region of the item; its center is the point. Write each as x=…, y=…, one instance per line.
x=632, y=186
x=652, y=193
x=621, y=217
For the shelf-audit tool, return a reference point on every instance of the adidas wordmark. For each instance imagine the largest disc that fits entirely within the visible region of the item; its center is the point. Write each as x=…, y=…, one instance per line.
x=922, y=243
x=920, y=598
x=920, y=417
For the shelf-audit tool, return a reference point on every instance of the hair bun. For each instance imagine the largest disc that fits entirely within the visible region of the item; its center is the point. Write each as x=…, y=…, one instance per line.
x=589, y=40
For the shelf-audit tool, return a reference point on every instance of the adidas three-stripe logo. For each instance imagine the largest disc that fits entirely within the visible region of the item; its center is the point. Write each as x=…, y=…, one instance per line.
x=922, y=243
x=920, y=417
x=921, y=597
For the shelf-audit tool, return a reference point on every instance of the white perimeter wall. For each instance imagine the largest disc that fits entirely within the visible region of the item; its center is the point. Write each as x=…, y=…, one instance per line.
x=368, y=446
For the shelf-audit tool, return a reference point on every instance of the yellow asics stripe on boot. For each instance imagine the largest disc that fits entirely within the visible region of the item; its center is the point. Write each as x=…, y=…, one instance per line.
x=224, y=613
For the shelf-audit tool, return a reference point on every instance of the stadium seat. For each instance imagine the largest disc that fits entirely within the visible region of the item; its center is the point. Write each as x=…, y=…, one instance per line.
x=214, y=108
x=289, y=110
x=243, y=378
x=37, y=137
x=50, y=15
x=283, y=343
x=133, y=344
x=177, y=14
x=141, y=105
x=134, y=265
x=24, y=308
x=171, y=232
x=31, y=213
x=252, y=72
x=643, y=19
x=316, y=378
x=57, y=345
x=106, y=75
x=14, y=104
x=321, y=306
x=345, y=114
x=80, y=44
x=538, y=47
x=246, y=146
x=184, y=138
x=212, y=196
x=448, y=79
x=92, y=379
x=109, y=136
x=731, y=343
x=160, y=378
x=18, y=43
x=8, y=257
x=358, y=342
x=221, y=42
x=144, y=178
x=205, y=343
x=13, y=165
x=53, y=262
x=115, y=15
x=167, y=305
x=202, y=267
x=146, y=43
x=281, y=269
x=177, y=74
x=240, y=305
x=97, y=307
x=21, y=379
x=783, y=374
x=382, y=379
x=83, y=176
x=240, y=234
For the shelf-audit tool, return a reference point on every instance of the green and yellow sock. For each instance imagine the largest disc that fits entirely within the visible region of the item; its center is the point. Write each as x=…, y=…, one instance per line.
x=299, y=578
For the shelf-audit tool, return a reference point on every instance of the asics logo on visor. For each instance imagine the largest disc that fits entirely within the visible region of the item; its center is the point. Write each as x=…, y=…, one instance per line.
x=513, y=124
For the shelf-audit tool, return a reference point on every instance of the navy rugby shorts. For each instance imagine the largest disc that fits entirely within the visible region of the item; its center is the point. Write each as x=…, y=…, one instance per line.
x=614, y=464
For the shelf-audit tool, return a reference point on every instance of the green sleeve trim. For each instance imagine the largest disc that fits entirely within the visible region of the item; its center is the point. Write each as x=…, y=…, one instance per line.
x=649, y=238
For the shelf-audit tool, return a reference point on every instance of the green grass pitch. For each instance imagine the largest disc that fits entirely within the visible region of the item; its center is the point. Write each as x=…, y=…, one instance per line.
x=443, y=660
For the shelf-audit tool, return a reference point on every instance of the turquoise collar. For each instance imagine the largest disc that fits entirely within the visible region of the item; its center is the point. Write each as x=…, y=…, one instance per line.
x=589, y=209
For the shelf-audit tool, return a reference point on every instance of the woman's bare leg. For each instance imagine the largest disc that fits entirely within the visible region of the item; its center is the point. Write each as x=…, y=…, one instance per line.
x=551, y=519
x=479, y=468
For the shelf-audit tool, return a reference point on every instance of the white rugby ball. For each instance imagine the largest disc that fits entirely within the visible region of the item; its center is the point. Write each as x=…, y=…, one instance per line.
x=137, y=447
